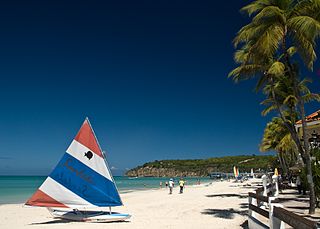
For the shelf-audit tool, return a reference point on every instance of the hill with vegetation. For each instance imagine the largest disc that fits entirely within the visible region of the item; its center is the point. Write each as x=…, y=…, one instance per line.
x=202, y=167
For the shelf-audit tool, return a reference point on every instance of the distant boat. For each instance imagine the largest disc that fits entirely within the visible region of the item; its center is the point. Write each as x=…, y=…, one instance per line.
x=81, y=187
x=218, y=175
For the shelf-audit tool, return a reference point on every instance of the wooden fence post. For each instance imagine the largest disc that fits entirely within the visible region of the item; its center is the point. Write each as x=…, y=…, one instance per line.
x=252, y=201
x=270, y=200
x=274, y=222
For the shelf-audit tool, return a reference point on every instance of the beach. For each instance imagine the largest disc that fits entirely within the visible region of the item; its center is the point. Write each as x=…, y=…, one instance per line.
x=216, y=205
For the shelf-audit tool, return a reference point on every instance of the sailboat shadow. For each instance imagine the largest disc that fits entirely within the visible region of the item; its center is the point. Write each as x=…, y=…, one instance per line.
x=63, y=221
x=55, y=221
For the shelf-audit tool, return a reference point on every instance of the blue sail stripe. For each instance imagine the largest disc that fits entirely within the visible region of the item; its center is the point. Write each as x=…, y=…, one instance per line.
x=85, y=182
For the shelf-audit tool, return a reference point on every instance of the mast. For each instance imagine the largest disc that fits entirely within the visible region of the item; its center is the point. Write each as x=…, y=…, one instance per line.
x=105, y=159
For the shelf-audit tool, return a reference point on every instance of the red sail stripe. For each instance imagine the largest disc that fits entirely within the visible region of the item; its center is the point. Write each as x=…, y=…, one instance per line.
x=86, y=137
x=41, y=199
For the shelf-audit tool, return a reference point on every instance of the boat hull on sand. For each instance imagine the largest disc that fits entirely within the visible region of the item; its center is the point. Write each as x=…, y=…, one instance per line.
x=89, y=216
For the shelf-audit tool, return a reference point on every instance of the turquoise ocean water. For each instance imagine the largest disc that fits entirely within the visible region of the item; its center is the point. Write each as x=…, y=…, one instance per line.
x=17, y=189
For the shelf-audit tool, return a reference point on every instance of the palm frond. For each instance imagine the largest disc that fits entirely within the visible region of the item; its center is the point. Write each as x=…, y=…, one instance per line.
x=245, y=71
x=290, y=99
x=302, y=86
x=305, y=49
x=277, y=69
x=267, y=101
x=269, y=41
x=307, y=7
x=271, y=14
x=306, y=25
x=292, y=50
x=311, y=97
x=255, y=6
x=251, y=32
x=269, y=109
x=241, y=56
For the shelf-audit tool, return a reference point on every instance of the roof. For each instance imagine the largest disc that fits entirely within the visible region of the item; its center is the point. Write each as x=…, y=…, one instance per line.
x=312, y=117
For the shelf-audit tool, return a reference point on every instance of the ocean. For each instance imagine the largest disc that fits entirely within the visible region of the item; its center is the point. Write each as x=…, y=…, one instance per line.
x=17, y=189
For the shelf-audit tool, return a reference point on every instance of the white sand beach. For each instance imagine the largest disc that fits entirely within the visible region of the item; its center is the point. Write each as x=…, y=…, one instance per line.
x=219, y=205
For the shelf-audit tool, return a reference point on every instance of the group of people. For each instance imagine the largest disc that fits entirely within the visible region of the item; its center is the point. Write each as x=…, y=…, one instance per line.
x=170, y=184
x=299, y=182
x=291, y=179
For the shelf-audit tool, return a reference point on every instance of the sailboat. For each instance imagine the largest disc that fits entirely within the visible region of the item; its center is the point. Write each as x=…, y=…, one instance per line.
x=235, y=172
x=81, y=186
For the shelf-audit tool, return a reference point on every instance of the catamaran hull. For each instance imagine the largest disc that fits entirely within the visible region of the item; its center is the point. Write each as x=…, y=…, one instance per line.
x=89, y=216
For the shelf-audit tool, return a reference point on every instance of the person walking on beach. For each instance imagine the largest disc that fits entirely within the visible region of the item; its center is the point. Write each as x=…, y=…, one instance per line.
x=166, y=184
x=181, y=184
x=160, y=184
x=171, y=185
x=298, y=183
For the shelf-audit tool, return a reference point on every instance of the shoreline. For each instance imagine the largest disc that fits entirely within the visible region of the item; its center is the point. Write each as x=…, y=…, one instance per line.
x=132, y=190
x=219, y=205
x=18, y=195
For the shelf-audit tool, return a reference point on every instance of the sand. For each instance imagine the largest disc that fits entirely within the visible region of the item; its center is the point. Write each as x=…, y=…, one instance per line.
x=219, y=205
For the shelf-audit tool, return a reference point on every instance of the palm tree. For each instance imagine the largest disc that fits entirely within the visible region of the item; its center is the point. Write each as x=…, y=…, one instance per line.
x=277, y=137
x=278, y=29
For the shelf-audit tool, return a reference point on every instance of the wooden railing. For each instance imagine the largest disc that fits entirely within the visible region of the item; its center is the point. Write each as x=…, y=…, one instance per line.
x=256, y=200
x=259, y=210
x=256, y=208
x=276, y=216
x=293, y=219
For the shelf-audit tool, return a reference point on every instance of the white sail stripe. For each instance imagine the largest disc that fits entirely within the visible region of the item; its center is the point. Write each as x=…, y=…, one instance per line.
x=64, y=195
x=97, y=163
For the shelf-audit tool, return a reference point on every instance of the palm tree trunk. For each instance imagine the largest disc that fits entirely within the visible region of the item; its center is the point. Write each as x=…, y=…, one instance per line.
x=303, y=151
x=290, y=127
x=308, y=159
x=306, y=151
x=280, y=160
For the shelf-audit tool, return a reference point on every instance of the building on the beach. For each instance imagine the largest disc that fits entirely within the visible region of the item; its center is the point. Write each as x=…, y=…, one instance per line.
x=312, y=129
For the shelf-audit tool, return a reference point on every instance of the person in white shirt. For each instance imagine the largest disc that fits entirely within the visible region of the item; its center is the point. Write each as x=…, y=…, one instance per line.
x=171, y=185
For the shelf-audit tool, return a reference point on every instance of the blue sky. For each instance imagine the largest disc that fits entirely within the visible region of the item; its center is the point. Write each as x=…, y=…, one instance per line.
x=150, y=75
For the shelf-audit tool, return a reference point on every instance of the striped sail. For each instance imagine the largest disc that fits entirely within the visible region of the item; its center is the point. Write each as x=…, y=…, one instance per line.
x=81, y=180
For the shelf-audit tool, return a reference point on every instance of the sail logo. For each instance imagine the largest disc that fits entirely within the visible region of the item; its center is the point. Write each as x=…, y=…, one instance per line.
x=79, y=173
x=88, y=154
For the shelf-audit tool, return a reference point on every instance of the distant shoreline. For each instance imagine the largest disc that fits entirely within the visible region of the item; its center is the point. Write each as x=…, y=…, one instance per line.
x=202, y=167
